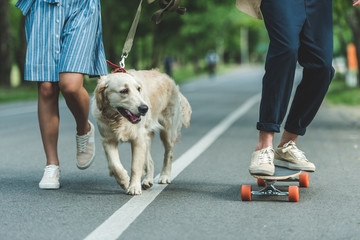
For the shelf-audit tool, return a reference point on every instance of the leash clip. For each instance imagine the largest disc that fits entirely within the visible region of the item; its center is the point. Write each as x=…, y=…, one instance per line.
x=116, y=67
x=122, y=61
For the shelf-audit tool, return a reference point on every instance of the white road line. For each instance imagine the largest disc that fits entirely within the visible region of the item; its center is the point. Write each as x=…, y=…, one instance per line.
x=116, y=224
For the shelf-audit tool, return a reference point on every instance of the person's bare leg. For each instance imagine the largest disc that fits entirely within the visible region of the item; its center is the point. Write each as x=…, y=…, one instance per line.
x=265, y=140
x=286, y=137
x=77, y=99
x=48, y=115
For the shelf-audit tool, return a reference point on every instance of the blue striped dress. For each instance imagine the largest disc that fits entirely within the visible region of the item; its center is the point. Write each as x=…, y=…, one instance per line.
x=62, y=36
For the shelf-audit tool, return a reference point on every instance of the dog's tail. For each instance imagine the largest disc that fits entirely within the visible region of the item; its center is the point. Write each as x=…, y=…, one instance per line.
x=186, y=110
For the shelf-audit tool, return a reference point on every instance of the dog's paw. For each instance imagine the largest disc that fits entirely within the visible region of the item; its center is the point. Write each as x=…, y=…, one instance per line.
x=164, y=179
x=124, y=181
x=134, y=190
x=147, y=183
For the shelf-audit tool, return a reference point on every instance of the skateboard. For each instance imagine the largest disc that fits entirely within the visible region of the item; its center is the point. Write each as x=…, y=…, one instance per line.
x=268, y=182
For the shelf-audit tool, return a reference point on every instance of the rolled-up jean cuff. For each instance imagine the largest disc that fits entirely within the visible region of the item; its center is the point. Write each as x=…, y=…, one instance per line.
x=268, y=127
x=297, y=131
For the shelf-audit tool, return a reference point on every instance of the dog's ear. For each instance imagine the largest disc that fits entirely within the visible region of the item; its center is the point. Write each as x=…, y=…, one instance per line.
x=101, y=99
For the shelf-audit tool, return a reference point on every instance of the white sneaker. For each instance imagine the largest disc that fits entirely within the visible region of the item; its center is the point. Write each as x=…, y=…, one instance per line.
x=51, y=178
x=85, y=145
x=289, y=156
x=262, y=162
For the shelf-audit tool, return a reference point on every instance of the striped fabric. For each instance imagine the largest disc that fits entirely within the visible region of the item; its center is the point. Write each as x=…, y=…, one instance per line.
x=62, y=36
x=24, y=5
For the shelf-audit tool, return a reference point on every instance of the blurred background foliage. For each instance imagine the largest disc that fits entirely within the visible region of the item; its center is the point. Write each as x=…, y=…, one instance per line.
x=207, y=25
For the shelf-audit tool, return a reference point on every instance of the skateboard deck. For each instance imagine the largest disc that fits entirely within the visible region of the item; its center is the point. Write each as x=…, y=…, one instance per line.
x=268, y=182
x=280, y=174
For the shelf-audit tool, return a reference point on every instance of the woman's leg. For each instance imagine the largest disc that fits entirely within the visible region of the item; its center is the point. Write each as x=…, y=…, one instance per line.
x=77, y=99
x=48, y=114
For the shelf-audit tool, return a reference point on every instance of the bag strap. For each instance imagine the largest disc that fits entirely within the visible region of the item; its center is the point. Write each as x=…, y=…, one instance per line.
x=167, y=6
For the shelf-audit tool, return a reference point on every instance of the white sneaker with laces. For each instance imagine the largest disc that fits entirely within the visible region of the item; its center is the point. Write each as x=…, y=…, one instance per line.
x=262, y=162
x=85, y=145
x=51, y=177
x=289, y=156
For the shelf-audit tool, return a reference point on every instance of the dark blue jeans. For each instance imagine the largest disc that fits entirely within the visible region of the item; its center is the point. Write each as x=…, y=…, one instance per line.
x=299, y=31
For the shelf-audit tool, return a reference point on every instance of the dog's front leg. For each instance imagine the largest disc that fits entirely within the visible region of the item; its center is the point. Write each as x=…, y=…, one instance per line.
x=169, y=142
x=149, y=166
x=148, y=181
x=116, y=169
x=138, y=148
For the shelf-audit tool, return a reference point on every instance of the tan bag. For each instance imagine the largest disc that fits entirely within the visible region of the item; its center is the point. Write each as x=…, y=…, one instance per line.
x=167, y=6
x=250, y=7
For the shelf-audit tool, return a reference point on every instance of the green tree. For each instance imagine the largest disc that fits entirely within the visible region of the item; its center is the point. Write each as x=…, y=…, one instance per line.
x=17, y=39
x=5, y=66
x=206, y=25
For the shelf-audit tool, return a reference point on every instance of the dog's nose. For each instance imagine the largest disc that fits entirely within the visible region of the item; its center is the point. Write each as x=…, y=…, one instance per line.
x=143, y=109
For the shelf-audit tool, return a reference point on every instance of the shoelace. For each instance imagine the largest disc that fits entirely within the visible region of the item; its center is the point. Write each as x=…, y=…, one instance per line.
x=50, y=171
x=265, y=155
x=82, y=142
x=290, y=146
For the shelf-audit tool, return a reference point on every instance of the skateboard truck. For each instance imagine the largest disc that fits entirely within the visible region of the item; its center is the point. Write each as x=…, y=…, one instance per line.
x=268, y=182
x=271, y=190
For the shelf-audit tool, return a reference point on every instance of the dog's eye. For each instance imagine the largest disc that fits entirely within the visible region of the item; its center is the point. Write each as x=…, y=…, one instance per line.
x=139, y=89
x=124, y=91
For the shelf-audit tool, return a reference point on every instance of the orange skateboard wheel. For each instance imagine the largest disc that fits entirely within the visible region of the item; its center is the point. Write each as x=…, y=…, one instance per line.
x=261, y=182
x=293, y=193
x=246, y=192
x=304, y=180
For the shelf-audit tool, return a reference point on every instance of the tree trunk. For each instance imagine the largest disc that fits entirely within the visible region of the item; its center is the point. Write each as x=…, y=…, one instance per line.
x=21, y=50
x=155, y=46
x=5, y=61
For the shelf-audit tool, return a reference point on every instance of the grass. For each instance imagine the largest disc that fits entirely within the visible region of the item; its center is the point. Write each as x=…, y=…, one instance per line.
x=26, y=92
x=340, y=93
x=182, y=75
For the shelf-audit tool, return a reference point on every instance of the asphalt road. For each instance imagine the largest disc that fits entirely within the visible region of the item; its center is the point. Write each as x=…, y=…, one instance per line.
x=203, y=201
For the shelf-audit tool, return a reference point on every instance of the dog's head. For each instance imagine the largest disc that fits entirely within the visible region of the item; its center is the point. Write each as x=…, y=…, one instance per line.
x=122, y=92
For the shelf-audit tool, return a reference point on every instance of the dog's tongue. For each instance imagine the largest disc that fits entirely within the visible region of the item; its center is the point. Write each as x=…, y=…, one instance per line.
x=132, y=117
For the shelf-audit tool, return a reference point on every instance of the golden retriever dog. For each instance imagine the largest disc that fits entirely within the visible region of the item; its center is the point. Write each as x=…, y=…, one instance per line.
x=131, y=107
